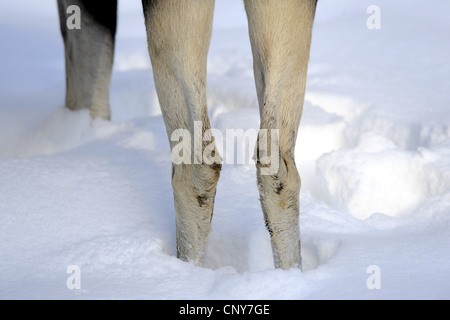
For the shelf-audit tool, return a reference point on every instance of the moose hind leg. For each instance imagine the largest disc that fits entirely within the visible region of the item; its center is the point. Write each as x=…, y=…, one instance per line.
x=89, y=52
x=280, y=35
x=178, y=41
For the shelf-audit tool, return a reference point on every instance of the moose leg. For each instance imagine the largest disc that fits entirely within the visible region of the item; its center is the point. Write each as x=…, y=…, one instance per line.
x=89, y=53
x=280, y=34
x=178, y=41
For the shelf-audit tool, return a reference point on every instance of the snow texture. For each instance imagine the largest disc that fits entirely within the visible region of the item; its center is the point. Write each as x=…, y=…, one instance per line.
x=373, y=152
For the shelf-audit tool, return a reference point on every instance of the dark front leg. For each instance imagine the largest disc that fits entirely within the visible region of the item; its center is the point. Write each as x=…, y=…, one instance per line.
x=89, y=52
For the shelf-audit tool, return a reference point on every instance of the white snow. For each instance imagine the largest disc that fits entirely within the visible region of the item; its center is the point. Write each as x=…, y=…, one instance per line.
x=373, y=151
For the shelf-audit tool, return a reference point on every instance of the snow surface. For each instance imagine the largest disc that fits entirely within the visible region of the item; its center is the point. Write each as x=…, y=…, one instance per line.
x=373, y=151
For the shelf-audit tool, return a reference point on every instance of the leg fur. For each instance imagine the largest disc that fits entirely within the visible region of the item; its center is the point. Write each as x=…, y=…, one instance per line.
x=280, y=34
x=89, y=55
x=178, y=41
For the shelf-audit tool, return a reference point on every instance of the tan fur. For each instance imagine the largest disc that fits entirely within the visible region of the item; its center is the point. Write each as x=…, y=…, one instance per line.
x=179, y=34
x=280, y=34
